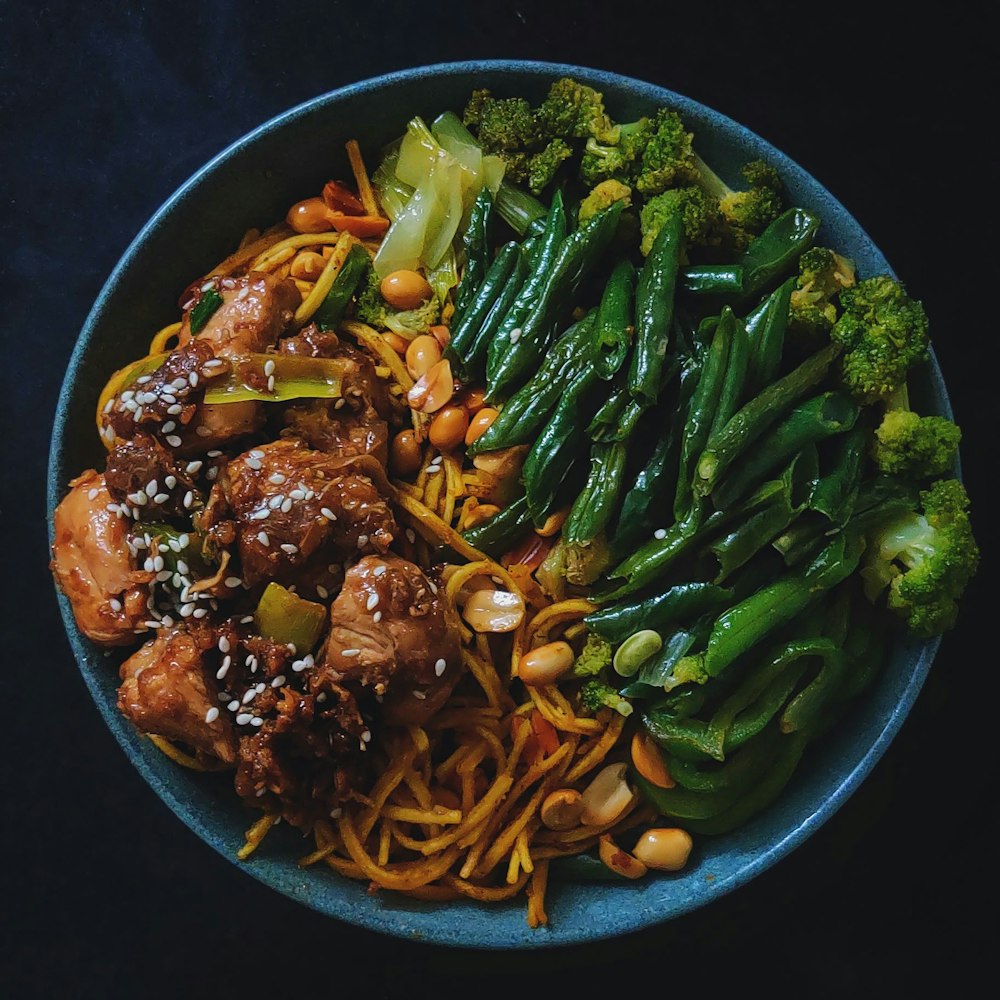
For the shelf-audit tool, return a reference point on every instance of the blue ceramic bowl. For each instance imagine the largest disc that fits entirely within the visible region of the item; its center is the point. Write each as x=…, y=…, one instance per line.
x=251, y=184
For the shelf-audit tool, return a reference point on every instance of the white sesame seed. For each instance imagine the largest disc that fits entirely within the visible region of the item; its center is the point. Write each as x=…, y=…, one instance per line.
x=243, y=718
x=289, y=548
x=138, y=498
x=276, y=477
x=223, y=644
x=309, y=495
x=260, y=514
x=212, y=714
x=253, y=463
x=297, y=494
x=168, y=427
x=325, y=511
x=515, y=335
x=286, y=506
x=192, y=468
x=143, y=379
x=175, y=442
x=200, y=612
x=269, y=367
x=431, y=469
x=378, y=570
x=322, y=591
x=233, y=705
x=256, y=721
x=167, y=620
x=182, y=567
x=262, y=538
x=170, y=482
x=158, y=563
x=174, y=409
x=161, y=498
x=367, y=736
x=275, y=502
x=372, y=603
x=259, y=688
x=298, y=666
x=411, y=535
x=211, y=474
x=186, y=610
x=321, y=697
x=152, y=624
x=232, y=582
x=249, y=695
x=362, y=541
x=92, y=494
x=377, y=617
x=224, y=669
x=350, y=652
x=278, y=681
x=116, y=605
x=660, y=533
x=188, y=498
x=420, y=695
x=214, y=453
x=270, y=383
x=246, y=619
x=193, y=379
x=440, y=667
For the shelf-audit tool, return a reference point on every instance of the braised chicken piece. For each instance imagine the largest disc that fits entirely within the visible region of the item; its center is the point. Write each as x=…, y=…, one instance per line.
x=165, y=402
x=296, y=508
x=93, y=565
x=356, y=423
x=168, y=689
x=255, y=310
x=142, y=473
x=393, y=631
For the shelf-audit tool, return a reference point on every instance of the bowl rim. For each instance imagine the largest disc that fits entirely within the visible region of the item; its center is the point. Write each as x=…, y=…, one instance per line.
x=389, y=921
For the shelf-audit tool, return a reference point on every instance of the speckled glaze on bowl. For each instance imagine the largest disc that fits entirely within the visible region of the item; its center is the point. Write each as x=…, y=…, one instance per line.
x=251, y=184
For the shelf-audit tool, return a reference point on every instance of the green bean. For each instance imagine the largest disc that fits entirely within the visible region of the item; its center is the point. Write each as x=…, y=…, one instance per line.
x=654, y=307
x=750, y=422
x=734, y=380
x=820, y=417
x=837, y=492
x=713, y=279
x=696, y=776
x=476, y=242
x=766, y=327
x=596, y=504
x=467, y=331
x=777, y=250
x=502, y=531
x=615, y=622
x=523, y=415
x=614, y=320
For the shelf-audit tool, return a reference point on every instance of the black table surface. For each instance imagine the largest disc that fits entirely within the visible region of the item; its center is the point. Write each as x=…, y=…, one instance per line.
x=105, y=112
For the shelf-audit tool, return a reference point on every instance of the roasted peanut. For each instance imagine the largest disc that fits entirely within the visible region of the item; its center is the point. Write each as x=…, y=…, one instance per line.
x=545, y=664
x=405, y=289
x=666, y=849
x=561, y=809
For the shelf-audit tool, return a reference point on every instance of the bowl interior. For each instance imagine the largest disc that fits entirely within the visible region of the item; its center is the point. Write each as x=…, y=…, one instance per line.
x=252, y=183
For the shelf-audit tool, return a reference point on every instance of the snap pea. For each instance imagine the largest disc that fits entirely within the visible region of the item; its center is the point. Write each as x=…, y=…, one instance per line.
x=708, y=778
x=615, y=622
x=467, y=329
x=821, y=417
x=331, y=310
x=804, y=712
x=476, y=243
x=614, y=320
x=541, y=264
x=654, y=309
x=524, y=413
x=766, y=327
x=757, y=415
x=517, y=357
x=596, y=504
x=502, y=531
x=712, y=279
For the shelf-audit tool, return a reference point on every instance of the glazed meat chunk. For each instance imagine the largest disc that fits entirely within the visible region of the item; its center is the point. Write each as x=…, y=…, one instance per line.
x=355, y=424
x=296, y=508
x=141, y=472
x=167, y=689
x=93, y=565
x=392, y=630
x=255, y=310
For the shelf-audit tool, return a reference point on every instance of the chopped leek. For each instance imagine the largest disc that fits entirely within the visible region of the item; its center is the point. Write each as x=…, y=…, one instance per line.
x=286, y=617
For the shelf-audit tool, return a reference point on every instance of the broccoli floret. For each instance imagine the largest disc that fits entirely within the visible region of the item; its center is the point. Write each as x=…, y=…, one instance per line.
x=603, y=195
x=620, y=160
x=573, y=110
x=474, y=109
x=698, y=212
x=756, y=208
x=883, y=332
x=543, y=165
x=668, y=158
x=926, y=559
x=372, y=309
x=596, y=694
x=503, y=124
x=823, y=275
x=594, y=657
x=919, y=447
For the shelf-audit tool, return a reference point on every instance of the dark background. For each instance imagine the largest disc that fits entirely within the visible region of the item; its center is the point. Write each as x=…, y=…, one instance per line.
x=104, y=892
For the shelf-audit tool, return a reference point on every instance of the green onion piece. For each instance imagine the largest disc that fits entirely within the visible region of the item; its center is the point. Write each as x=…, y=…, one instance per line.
x=203, y=310
x=294, y=378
